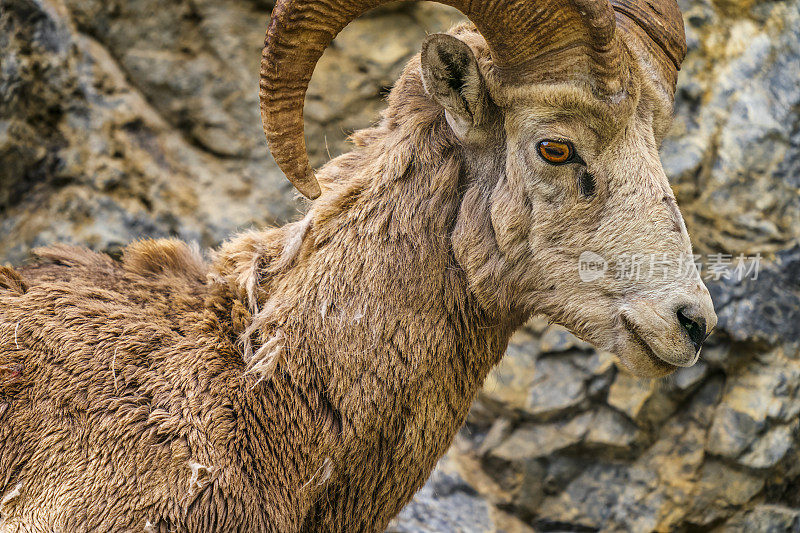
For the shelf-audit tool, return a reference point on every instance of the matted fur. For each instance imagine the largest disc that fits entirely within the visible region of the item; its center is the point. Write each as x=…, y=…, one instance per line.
x=137, y=372
x=309, y=377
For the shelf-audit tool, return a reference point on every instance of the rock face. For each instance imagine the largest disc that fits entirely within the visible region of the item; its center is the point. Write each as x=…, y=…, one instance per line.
x=86, y=156
x=126, y=119
x=734, y=152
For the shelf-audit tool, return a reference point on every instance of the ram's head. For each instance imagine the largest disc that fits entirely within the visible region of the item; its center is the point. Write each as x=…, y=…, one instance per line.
x=558, y=108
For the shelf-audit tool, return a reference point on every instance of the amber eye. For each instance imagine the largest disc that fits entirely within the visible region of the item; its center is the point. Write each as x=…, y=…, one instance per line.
x=556, y=152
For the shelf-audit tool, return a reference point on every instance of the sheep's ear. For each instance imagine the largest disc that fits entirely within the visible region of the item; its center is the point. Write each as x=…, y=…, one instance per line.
x=451, y=76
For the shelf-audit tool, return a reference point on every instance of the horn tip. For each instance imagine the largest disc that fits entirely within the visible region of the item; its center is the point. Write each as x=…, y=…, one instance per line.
x=308, y=186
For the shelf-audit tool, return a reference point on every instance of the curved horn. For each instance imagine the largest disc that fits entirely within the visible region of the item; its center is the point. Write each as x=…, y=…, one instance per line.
x=658, y=26
x=517, y=32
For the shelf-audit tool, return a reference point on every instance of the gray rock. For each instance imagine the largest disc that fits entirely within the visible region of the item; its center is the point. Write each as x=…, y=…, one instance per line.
x=732, y=432
x=765, y=309
x=558, y=385
x=772, y=447
x=611, y=433
x=445, y=504
x=558, y=339
x=688, y=378
x=766, y=519
x=538, y=440
x=508, y=385
x=86, y=158
x=643, y=401
x=733, y=150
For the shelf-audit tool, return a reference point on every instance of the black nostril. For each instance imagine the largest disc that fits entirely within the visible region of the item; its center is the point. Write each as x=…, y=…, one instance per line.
x=694, y=327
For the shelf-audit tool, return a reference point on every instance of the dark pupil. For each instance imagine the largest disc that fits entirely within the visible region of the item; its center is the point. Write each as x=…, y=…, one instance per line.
x=555, y=153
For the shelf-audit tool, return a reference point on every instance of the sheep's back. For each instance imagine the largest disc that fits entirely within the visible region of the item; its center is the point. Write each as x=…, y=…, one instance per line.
x=108, y=372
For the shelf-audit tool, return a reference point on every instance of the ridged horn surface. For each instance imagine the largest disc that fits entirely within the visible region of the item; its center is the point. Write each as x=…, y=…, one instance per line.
x=658, y=25
x=518, y=32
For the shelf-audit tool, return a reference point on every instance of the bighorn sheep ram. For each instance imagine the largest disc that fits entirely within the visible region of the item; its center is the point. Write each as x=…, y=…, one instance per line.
x=309, y=377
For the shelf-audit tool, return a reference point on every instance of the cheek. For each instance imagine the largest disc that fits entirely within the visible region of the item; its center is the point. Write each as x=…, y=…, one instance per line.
x=550, y=195
x=539, y=180
x=555, y=253
x=511, y=217
x=562, y=227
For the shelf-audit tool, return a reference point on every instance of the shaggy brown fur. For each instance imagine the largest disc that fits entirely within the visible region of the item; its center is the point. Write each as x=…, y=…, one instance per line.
x=308, y=379
x=136, y=406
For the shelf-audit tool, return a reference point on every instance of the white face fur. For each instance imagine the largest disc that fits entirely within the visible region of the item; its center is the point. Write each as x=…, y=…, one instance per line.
x=607, y=243
x=573, y=196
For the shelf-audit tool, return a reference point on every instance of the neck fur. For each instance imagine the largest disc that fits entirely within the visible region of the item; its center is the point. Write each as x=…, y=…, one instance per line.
x=364, y=300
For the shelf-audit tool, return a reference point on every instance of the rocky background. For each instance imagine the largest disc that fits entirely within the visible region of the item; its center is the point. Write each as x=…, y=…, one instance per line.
x=128, y=118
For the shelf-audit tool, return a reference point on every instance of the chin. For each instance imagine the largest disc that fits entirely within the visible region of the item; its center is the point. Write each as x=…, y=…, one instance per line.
x=633, y=354
x=642, y=362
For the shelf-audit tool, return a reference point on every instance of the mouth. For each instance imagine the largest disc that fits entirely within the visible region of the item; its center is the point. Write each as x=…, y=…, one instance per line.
x=645, y=348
